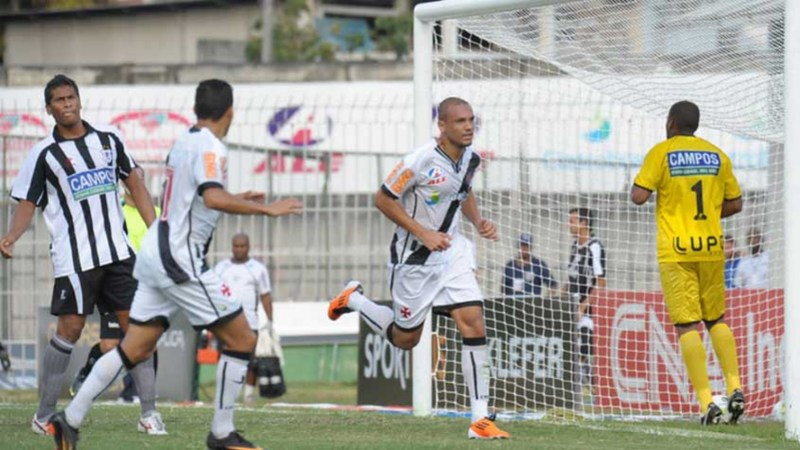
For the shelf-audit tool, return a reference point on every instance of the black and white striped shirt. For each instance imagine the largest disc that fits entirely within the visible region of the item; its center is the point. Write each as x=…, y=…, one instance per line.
x=587, y=262
x=75, y=182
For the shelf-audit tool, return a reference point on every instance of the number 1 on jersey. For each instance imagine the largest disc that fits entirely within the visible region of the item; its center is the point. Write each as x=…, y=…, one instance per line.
x=698, y=190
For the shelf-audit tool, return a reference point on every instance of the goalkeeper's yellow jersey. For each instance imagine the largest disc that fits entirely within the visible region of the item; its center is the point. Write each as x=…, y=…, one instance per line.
x=691, y=177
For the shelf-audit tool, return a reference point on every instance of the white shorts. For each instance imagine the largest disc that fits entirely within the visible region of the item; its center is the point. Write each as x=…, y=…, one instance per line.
x=415, y=289
x=206, y=302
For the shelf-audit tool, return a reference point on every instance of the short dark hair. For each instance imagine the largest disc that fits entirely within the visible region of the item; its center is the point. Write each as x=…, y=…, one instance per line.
x=685, y=116
x=212, y=99
x=729, y=238
x=585, y=214
x=58, y=81
x=445, y=105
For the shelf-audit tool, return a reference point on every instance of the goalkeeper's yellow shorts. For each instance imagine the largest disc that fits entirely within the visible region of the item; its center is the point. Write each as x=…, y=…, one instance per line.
x=693, y=291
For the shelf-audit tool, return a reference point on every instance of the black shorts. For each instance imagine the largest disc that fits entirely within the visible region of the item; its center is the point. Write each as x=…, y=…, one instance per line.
x=109, y=326
x=110, y=287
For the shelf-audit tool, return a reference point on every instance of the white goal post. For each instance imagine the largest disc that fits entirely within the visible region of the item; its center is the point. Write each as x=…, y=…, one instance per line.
x=772, y=181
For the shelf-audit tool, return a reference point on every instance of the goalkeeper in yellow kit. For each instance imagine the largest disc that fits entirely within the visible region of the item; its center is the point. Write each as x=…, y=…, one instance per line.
x=696, y=188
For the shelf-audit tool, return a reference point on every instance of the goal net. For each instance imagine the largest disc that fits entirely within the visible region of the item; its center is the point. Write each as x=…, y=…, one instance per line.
x=569, y=98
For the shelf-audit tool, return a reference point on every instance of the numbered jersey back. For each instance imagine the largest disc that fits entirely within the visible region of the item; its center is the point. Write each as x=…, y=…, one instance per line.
x=692, y=178
x=177, y=245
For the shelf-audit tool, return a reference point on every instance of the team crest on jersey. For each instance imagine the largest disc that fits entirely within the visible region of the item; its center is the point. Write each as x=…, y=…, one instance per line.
x=92, y=182
x=109, y=155
x=435, y=176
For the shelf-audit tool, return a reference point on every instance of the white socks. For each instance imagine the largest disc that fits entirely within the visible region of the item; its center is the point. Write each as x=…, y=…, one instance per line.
x=476, y=375
x=376, y=316
x=103, y=374
x=231, y=376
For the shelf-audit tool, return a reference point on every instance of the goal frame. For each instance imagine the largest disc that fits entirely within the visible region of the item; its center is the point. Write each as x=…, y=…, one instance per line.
x=425, y=17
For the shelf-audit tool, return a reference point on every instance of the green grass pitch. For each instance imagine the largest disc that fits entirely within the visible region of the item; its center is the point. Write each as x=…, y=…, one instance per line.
x=277, y=427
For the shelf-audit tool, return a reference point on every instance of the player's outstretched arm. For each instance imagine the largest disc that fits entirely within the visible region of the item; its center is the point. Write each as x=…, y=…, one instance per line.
x=485, y=227
x=19, y=223
x=222, y=200
x=434, y=240
x=253, y=196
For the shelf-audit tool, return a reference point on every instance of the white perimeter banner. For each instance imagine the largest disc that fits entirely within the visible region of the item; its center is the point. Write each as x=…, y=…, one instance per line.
x=308, y=138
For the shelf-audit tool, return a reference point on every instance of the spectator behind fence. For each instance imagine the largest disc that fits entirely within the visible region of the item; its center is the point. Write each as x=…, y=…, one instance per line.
x=525, y=275
x=732, y=259
x=753, y=269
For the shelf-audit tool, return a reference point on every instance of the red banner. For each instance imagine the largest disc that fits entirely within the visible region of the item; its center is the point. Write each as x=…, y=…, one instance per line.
x=638, y=363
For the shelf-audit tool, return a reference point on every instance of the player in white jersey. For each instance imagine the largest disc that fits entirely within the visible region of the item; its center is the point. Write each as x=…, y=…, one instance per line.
x=72, y=175
x=249, y=282
x=432, y=264
x=173, y=276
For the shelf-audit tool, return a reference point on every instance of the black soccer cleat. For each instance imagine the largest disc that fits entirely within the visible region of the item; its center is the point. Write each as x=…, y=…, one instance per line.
x=65, y=436
x=712, y=415
x=231, y=441
x=736, y=406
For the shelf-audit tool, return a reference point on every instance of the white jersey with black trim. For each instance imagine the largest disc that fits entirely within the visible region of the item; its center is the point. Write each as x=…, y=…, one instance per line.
x=173, y=250
x=431, y=187
x=75, y=181
x=248, y=282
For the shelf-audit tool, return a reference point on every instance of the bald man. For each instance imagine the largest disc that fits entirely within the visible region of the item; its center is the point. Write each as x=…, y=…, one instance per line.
x=249, y=281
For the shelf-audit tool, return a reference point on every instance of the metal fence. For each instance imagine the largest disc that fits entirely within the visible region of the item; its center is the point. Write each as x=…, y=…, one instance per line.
x=331, y=145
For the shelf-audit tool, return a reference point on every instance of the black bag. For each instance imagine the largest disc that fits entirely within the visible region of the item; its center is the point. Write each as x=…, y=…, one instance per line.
x=270, y=377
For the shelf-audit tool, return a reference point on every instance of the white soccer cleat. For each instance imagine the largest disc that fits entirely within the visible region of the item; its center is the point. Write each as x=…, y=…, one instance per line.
x=43, y=428
x=152, y=424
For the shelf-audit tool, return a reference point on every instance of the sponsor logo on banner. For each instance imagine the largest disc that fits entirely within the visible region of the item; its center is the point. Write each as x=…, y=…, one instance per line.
x=307, y=163
x=149, y=133
x=92, y=182
x=638, y=363
x=21, y=132
x=299, y=126
x=600, y=132
x=11, y=123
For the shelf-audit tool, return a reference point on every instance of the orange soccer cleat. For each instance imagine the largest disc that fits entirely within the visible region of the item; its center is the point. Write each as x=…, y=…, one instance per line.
x=338, y=305
x=486, y=429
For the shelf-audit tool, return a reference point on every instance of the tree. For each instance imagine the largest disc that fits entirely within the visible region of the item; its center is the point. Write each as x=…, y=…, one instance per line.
x=293, y=40
x=394, y=34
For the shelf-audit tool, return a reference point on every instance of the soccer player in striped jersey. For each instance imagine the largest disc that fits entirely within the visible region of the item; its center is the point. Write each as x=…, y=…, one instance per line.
x=433, y=264
x=72, y=175
x=173, y=275
x=696, y=188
